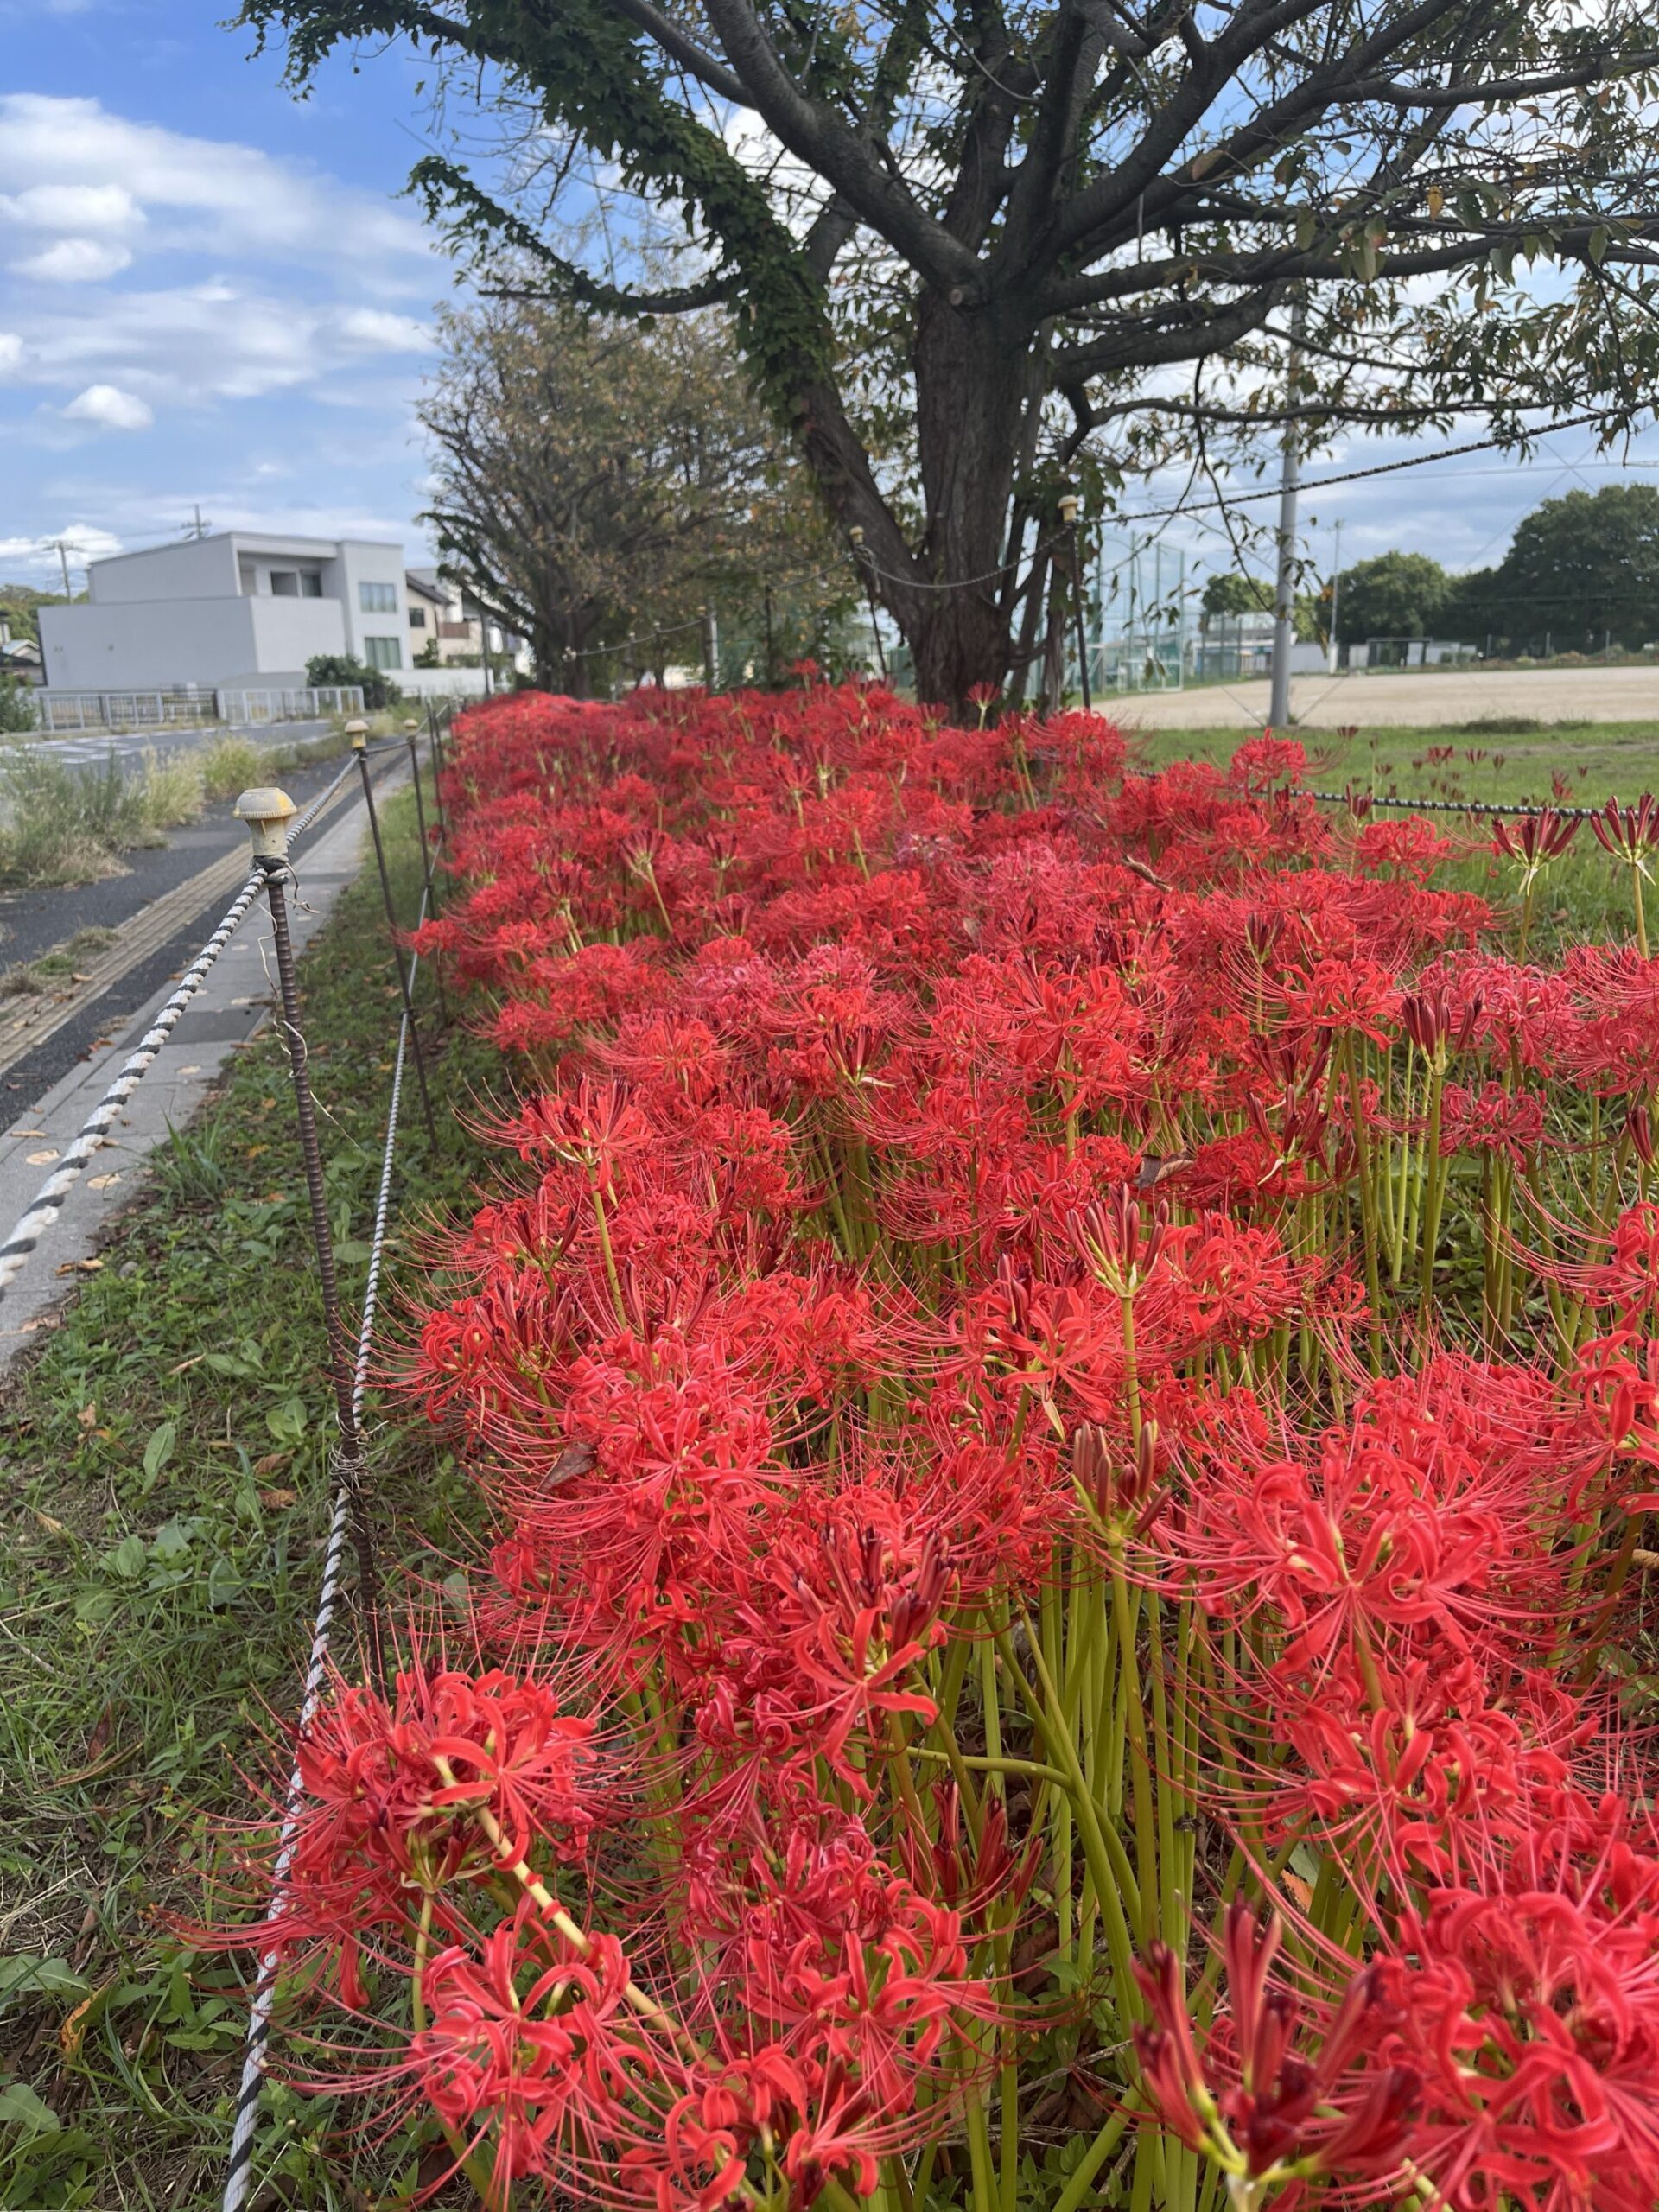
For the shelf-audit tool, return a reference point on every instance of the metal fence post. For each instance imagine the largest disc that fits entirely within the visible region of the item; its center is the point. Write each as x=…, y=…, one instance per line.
x=267, y=813
x=359, y=734
x=411, y=732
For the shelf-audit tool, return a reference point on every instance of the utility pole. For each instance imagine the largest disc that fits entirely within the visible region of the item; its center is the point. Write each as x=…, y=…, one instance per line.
x=198, y=528
x=1336, y=587
x=1284, y=597
x=710, y=650
x=56, y=545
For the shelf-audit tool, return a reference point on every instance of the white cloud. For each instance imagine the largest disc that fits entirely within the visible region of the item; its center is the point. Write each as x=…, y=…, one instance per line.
x=83, y=541
x=74, y=261
x=111, y=408
x=208, y=196
x=376, y=330
x=11, y=352
x=80, y=208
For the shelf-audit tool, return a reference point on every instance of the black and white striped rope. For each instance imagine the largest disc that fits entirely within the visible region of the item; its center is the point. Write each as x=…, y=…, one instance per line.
x=239, y=2171
x=47, y=1202
x=1459, y=806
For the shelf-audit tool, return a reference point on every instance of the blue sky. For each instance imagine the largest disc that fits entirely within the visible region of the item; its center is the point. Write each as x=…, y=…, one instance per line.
x=212, y=294
x=209, y=293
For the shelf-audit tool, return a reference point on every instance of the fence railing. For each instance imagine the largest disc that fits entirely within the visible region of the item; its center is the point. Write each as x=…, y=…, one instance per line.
x=63, y=712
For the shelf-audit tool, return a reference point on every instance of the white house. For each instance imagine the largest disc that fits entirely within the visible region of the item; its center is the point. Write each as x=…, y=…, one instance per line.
x=237, y=610
x=444, y=613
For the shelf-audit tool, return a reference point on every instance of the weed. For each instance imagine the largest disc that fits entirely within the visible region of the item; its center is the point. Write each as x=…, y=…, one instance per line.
x=62, y=964
x=229, y=765
x=188, y=1168
x=1500, y=725
x=169, y=790
x=64, y=824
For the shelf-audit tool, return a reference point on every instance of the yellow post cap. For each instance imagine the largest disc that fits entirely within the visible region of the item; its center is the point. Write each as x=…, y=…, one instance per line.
x=358, y=734
x=267, y=813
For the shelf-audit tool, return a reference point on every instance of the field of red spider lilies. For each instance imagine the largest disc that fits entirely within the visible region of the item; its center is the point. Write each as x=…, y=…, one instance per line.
x=1060, y=1371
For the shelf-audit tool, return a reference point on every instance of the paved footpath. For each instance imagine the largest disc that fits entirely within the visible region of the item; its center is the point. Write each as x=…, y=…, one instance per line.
x=231, y=1006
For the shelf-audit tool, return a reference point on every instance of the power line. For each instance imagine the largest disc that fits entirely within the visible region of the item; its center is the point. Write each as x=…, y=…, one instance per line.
x=1348, y=476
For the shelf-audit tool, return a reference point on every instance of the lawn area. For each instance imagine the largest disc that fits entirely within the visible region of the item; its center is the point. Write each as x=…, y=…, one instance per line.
x=1498, y=760
x=163, y=1468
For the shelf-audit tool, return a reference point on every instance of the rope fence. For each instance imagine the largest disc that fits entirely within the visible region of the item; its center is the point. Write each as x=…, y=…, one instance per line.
x=1494, y=808
x=239, y=2170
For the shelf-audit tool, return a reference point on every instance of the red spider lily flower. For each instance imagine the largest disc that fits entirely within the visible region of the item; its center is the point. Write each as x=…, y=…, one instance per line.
x=390, y=1783
x=1629, y=833
x=1270, y=2103
x=1534, y=840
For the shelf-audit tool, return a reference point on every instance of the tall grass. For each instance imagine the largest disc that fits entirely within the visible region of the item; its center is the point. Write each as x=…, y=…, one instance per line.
x=61, y=824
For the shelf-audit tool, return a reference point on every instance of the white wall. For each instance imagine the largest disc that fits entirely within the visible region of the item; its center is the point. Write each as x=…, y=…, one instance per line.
x=441, y=682
x=364, y=561
x=168, y=643
x=201, y=567
x=287, y=632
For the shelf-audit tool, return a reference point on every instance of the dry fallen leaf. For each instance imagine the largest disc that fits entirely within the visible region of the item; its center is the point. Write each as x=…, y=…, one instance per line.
x=103, y=1182
x=52, y=1528
x=88, y=1414
x=39, y=1158
x=275, y=1500
x=269, y=1463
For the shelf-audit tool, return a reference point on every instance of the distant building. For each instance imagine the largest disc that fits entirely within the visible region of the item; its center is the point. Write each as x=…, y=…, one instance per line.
x=20, y=657
x=444, y=613
x=239, y=609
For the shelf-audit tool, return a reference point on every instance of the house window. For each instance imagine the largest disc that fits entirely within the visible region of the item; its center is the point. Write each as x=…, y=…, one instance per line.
x=417, y=617
x=384, y=652
x=378, y=599
x=310, y=583
x=284, y=583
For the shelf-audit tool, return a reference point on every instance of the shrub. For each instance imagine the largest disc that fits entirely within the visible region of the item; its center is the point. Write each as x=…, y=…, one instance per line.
x=18, y=713
x=325, y=670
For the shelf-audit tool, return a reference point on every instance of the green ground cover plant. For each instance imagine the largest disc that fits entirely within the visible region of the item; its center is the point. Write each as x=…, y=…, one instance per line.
x=162, y=1502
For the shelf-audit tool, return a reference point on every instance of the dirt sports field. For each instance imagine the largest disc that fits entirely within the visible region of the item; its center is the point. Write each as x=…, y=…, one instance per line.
x=1418, y=699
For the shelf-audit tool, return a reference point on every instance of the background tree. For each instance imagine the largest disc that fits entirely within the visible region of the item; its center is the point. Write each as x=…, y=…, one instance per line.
x=1227, y=592
x=974, y=244
x=21, y=605
x=1395, y=595
x=595, y=479
x=1581, y=571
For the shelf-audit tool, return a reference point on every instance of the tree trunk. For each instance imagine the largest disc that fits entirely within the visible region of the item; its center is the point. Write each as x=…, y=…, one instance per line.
x=974, y=380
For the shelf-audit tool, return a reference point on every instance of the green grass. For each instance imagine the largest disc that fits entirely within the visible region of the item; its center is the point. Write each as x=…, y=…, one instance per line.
x=162, y=1502
x=61, y=824
x=1513, y=764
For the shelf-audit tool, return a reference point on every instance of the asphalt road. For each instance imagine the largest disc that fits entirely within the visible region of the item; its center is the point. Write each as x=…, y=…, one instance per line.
x=92, y=748
x=31, y=922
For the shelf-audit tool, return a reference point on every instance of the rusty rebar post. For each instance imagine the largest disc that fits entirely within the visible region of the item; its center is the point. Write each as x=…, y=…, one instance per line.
x=267, y=813
x=411, y=732
x=358, y=734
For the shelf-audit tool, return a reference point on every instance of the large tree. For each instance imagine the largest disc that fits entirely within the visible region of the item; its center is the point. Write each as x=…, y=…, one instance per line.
x=1581, y=571
x=972, y=243
x=1395, y=595
x=594, y=482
